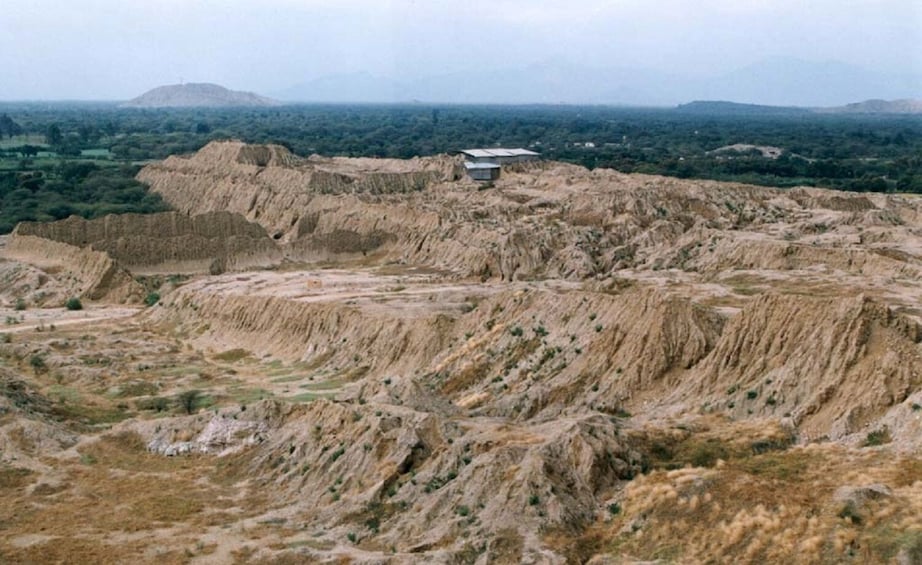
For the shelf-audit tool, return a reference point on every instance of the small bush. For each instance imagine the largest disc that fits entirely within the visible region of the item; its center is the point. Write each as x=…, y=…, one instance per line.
x=516, y=331
x=151, y=299
x=232, y=355
x=351, y=537
x=37, y=362
x=6, y=338
x=752, y=394
x=534, y=500
x=157, y=404
x=188, y=401
x=878, y=437
x=73, y=303
x=614, y=509
x=20, y=304
x=463, y=511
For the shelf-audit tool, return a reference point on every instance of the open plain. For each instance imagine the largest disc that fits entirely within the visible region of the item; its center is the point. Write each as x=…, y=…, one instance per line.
x=382, y=361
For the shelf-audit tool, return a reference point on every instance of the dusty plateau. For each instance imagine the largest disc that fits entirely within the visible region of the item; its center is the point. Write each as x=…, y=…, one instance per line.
x=382, y=361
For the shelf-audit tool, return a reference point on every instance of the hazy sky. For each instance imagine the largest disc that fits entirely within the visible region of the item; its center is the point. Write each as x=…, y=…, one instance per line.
x=116, y=49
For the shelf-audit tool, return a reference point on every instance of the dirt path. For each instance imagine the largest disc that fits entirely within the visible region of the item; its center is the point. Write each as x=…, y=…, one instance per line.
x=16, y=321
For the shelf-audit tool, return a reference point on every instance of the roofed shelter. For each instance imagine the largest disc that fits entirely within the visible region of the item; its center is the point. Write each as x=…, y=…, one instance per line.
x=499, y=156
x=482, y=171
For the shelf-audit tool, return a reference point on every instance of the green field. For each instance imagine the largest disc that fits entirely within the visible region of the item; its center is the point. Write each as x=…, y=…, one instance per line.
x=19, y=140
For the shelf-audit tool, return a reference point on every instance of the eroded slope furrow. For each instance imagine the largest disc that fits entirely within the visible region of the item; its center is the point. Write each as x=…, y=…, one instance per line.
x=546, y=221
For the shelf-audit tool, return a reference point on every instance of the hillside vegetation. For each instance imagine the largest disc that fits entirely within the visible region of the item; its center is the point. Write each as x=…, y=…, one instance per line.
x=861, y=152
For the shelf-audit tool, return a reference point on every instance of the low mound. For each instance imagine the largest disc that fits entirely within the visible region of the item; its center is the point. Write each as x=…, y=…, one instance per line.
x=548, y=221
x=268, y=185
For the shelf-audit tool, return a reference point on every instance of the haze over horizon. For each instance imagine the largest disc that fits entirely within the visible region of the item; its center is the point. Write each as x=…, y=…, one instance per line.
x=115, y=50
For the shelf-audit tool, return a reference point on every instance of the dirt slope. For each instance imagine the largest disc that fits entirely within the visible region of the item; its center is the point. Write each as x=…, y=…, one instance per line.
x=548, y=222
x=378, y=361
x=88, y=273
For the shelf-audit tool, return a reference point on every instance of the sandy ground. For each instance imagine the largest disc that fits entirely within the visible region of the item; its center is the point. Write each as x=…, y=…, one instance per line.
x=18, y=321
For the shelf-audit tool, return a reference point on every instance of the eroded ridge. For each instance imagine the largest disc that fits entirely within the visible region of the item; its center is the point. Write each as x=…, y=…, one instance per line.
x=383, y=362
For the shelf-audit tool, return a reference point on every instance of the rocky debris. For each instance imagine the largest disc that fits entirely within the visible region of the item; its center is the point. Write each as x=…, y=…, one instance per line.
x=859, y=495
x=221, y=435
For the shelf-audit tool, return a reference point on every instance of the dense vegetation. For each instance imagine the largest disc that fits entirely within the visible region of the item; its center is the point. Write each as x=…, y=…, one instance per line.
x=55, y=188
x=81, y=158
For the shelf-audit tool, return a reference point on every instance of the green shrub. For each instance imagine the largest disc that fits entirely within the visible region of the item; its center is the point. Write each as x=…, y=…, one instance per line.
x=534, y=500
x=151, y=299
x=20, y=304
x=614, y=509
x=73, y=303
x=189, y=400
x=878, y=437
x=37, y=362
x=157, y=404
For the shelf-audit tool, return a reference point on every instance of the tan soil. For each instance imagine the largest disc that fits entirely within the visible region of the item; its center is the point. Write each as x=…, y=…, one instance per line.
x=570, y=366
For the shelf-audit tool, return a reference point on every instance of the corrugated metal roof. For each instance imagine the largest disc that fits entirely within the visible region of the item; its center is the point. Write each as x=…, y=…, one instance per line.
x=477, y=153
x=498, y=152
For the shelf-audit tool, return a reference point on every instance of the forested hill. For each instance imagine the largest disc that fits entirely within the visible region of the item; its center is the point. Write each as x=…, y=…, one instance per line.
x=735, y=108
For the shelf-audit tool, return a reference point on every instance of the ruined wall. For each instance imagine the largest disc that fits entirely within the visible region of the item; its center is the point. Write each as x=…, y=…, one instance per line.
x=167, y=242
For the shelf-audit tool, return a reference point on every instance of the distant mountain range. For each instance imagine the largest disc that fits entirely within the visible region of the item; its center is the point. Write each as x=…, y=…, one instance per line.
x=197, y=95
x=880, y=107
x=866, y=107
x=772, y=82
